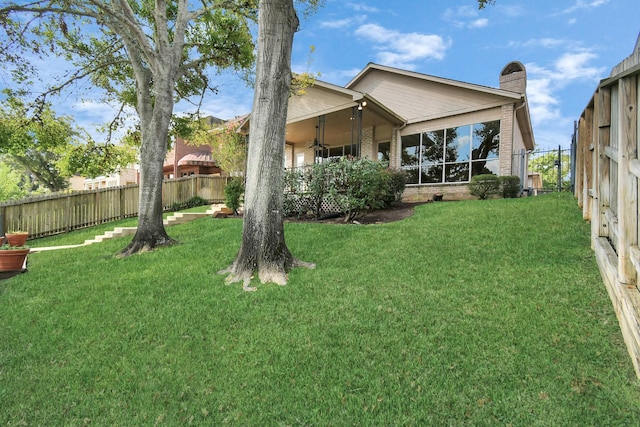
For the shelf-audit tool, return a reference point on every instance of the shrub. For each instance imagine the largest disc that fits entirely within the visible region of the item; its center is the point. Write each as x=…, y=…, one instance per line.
x=397, y=183
x=195, y=201
x=484, y=185
x=316, y=178
x=353, y=184
x=510, y=186
x=233, y=194
x=359, y=184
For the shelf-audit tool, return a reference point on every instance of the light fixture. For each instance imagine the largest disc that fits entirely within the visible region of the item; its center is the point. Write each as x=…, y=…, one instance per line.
x=362, y=104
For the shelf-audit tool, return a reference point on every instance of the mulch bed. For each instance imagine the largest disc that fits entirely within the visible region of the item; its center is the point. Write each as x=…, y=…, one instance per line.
x=395, y=212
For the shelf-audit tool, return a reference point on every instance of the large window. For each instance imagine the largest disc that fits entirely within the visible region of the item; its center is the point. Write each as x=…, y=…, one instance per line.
x=451, y=155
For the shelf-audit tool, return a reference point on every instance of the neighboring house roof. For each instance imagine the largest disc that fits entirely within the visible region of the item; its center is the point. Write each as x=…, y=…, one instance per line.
x=197, y=159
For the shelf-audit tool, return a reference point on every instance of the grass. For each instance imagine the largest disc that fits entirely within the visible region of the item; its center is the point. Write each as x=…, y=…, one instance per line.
x=467, y=313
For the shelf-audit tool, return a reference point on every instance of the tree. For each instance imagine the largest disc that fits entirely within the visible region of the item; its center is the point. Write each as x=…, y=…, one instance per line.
x=546, y=164
x=263, y=249
x=48, y=149
x=228, y=147
x=10, y=183
x=36, y=144
x=142, y=53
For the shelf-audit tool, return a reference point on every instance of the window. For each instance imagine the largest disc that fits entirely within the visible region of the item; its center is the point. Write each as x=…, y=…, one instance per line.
x=384, y=151
x=334, y=153
x=451, y=155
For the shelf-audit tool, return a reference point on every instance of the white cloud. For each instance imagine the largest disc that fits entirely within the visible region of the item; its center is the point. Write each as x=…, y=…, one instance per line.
x=479, y=23
x=401, y=50
x=542, y=102
x=340, y=23
x=546, y=42
x=363, y=8
x=465, y=17
x=509, y=10
x=585, y=5
x=340, y=77
x=573, y=66
x=462, y=11
x=344, y=23
x=545, y=84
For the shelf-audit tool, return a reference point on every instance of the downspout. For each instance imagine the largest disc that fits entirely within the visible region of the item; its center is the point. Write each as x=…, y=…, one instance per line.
x=524, y=173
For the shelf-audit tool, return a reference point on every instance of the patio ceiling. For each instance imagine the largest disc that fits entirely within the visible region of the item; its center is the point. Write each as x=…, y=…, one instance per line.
x=338, y=125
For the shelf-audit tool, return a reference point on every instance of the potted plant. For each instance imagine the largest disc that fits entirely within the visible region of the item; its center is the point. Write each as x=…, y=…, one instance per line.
x=17, y=237
x=12, y=258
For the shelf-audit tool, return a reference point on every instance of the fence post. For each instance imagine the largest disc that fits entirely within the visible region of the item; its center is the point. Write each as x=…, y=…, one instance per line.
x=627, y=182
x=523, y=169
x=574, y=144
x=559, y=182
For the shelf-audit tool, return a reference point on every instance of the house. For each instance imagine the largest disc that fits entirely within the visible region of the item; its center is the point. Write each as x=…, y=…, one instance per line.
x=126, y=176
x=185, y=160
x=441, y=131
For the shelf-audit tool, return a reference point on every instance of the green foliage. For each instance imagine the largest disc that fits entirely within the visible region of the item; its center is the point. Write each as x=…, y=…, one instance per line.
x=484, y=186
x=93, y=37
x=195, y=201
x=92, y=160
x=354, y=184
x=36, y=142
x=397, y=181
x=228, y=147
x=233, y=192
x=510, y=186
x=10, y=183
x=483, y=3
x=545, y=165
x=296, y=201
x=317, y=181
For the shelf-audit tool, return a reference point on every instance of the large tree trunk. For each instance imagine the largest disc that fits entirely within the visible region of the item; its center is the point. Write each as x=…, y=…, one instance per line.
x=154, y=131
x=263, y=248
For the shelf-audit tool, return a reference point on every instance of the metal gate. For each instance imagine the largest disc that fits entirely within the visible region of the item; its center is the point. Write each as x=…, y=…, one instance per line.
x=547, y=171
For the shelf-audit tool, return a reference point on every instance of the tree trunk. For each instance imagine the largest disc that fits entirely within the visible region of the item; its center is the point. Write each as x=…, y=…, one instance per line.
x=263, y=248
x=154, y=131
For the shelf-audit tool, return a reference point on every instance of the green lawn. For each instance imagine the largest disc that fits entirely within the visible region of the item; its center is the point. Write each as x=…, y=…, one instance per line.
x=468, y=313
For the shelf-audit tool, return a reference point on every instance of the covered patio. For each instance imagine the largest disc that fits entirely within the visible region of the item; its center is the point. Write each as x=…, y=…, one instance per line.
x=329, y=121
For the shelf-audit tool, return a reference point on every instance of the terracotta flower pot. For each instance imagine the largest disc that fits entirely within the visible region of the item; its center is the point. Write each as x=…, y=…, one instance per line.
x=16, y=239
x=12, y=259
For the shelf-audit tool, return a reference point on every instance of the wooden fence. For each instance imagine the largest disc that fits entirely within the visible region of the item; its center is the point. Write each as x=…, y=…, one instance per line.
x=61, y=212
x=606, y=186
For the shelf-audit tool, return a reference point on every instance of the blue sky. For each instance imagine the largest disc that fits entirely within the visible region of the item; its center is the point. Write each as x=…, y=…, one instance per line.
x=567, y=46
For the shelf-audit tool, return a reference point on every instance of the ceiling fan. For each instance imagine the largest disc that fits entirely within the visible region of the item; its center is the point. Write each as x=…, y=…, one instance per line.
x=316, y=144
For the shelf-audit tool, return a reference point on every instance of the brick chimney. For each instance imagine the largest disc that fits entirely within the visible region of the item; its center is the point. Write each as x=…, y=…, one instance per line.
x=514, y=78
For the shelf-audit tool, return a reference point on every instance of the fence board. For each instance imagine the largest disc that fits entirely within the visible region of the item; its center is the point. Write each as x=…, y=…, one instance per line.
x=628, y=191
x=615, y=191
x=62, y=212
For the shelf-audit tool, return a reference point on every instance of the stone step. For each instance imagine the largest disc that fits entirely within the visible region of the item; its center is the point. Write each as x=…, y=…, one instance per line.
x=174, y=219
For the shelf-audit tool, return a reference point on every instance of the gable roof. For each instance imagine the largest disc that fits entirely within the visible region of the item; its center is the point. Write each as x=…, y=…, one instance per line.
x=426, y=77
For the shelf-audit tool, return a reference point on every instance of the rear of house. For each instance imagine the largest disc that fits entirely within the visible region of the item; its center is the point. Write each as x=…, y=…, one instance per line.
x=441, y=131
